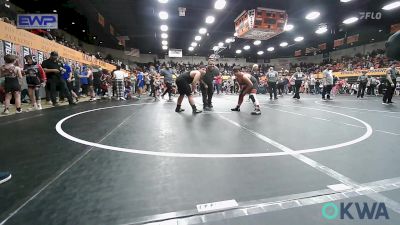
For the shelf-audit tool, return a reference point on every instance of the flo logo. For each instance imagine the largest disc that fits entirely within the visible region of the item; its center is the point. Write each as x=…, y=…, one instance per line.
x=370, y=15
x=355, y=210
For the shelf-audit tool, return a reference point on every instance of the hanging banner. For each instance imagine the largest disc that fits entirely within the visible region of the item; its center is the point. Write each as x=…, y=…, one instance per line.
x=352, y=39
x=112, y=30
x=322, y=46
x=133, y=52
x=1, y=53
x=394, y=28
x=100, y=19
x=297, y=53
x=338, y=42
x=175, y=53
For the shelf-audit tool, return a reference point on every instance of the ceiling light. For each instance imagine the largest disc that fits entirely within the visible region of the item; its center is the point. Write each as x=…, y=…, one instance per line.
x=162, y=1
x=210, y=19
x=73, y=23
x=260, y=52
x=345, y=0
x=238, y=51
x=257, y=42
x=271, y=49
x=194, y=44
x=288, y=27
x=54, y=11
x=164, y=36
x=197, y=38
x=215, y=48
x=283, y=44
x=164, y=42
x=220, y=44
x=235, y=34
x=228, y=40
x=191, y=48
x=247, y=47
x=313, y=15
x=321, y=30
x=163, y=15
x=391, y=6
x=164, y=28
x=220, y=4
x=202, y=30
x=164, y=47
x=83, y=31
x=298, y=39
x=350, y=20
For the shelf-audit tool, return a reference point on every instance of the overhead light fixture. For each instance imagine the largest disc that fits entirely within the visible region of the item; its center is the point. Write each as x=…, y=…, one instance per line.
x=298, y=39
x=202, y=30
x=215, y=48
x=73, y=23
x=194, y=44
x=313, y=15
x=247, y=47
x=83, y=31
x=163, y=1
x=163, y=15
x=210, y=19
x=55, y=11
x=191, y=48
x=350, y=20
x=260, y=52
x=164, y=42
x=164, y=28
x=321, y=29
x=288, y=27
x=235, y=34
x=391, y=6
x=220, y=4
x=221, y=44
x=238, y=51
x=257, y=42
x=197, y=38
x=164, y=47
x=164, y=36
x=228, y=40
x=271, y=49
x=345, y=0
x=284, y=44
x=101, y=42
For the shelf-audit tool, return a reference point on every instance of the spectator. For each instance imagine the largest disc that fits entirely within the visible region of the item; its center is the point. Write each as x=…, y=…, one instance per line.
x=12, y=74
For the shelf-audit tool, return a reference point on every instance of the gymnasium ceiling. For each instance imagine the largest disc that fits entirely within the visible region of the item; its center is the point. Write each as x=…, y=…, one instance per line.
x=140, y=22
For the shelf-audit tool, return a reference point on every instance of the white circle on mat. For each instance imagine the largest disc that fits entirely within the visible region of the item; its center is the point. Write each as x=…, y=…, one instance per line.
x=59, y=129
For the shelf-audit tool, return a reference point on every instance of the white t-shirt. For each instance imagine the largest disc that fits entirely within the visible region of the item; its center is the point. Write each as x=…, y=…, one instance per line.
x=120, y=75
x=328, y=76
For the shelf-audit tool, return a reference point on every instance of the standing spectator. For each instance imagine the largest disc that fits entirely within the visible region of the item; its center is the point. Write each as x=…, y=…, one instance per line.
x=35, y=78
x=312, y=84
x=272, y=76
x=11, y=84
x=84, y=80
x=362, y=84
x=97, y=73
x=373, y=85
x=218, y=83
x=298, y=80
x=53, y=69
x=391, y=76
x=317, y=87
x=327, y=82
x=168, y=80
x=118, y=75
x=69, y=79
x=140, y=82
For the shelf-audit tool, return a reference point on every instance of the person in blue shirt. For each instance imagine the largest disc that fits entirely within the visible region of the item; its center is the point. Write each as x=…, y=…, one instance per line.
x=84, y=78
x=69, y=79
x=140, y=82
